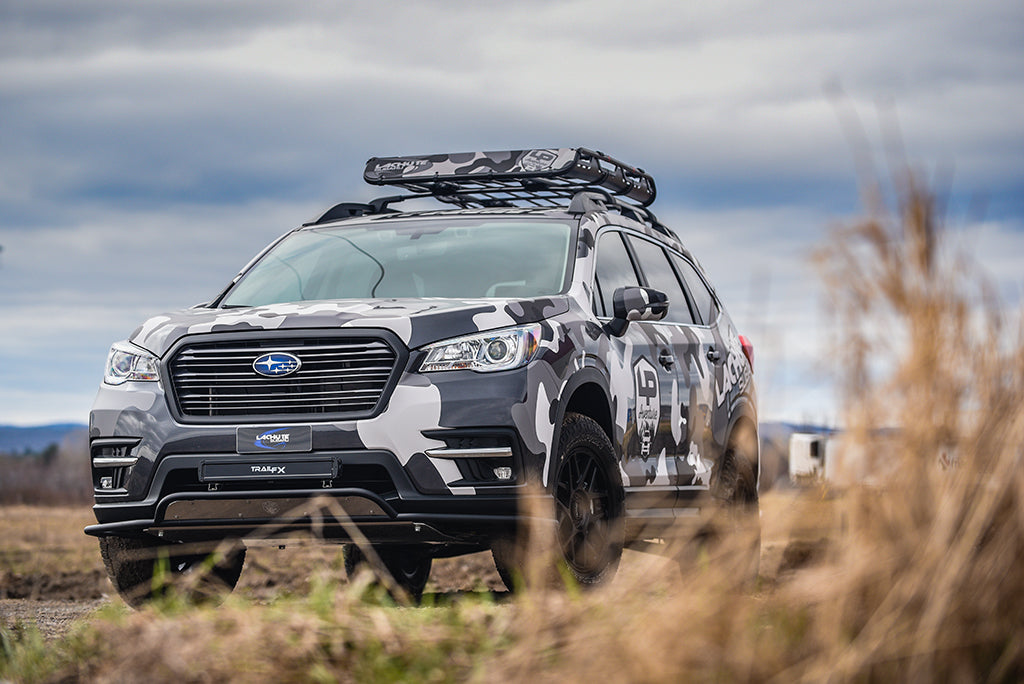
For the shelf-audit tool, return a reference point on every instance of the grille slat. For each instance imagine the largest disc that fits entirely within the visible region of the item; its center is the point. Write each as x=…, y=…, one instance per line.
x=338, y=377
x=243, y=378
x=292, y=347
x=333, y=356
x=306, y=396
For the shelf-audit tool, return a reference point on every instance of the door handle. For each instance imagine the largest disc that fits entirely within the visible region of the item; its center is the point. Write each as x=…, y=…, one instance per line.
x=714, y=356
x=666, y=359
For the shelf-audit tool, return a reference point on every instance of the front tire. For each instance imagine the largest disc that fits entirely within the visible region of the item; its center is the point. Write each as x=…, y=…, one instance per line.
x=144, y=568
x=589, y=498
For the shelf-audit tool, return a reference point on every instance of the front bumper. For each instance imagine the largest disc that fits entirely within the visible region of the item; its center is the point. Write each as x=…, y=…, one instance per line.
x=371, y=493
x=425, y=470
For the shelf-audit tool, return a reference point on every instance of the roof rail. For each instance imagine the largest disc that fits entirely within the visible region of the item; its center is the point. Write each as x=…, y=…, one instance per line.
x=589, y=201
x=538, y=178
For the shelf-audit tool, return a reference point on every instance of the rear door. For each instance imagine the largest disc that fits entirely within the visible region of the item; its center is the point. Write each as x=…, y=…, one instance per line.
x=704, y=367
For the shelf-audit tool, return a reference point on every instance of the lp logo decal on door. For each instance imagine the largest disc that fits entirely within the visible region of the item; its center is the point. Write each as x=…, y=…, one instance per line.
x=648, y=404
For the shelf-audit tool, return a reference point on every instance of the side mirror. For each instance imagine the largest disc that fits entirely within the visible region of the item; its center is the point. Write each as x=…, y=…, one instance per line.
x=636, y=304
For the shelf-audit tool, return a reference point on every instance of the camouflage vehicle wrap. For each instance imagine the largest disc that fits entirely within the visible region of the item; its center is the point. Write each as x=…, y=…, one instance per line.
x=555, y=173
x=434, y=461
x=445, y=166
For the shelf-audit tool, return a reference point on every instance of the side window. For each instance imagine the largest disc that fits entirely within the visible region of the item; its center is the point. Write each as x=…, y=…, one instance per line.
x=614, y=270
x=656, y=266
x=703, y=301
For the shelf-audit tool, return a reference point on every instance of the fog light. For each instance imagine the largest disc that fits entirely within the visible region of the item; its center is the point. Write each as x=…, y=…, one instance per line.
x=106, y=483
x=503, y=473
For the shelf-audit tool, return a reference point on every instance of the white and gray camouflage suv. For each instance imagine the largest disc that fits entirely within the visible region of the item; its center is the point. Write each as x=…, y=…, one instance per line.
x=412, y=378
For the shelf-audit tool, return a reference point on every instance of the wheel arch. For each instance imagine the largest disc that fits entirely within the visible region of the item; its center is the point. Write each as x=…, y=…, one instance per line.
x=743, y=429
x=586, y=393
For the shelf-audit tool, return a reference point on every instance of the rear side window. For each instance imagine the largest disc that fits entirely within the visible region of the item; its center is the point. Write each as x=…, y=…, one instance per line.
x=614, y=270
x=661, y=276
x=703, y=301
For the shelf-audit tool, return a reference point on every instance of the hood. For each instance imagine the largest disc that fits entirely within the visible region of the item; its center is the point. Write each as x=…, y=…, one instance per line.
x=415, y=321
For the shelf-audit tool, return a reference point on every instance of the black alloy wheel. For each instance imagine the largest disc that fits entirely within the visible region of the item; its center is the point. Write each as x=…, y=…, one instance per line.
x=588, y=502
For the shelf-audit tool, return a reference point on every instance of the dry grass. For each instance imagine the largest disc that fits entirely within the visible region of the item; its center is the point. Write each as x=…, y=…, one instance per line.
x=43, y=553
x=920, y=579
x=933, y=587
x=45, y=538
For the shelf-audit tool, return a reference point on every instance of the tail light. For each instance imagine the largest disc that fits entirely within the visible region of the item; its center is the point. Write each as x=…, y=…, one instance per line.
x=748, y=350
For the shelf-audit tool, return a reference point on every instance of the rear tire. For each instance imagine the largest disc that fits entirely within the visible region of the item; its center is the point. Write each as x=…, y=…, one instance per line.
x=144, y=568
x=732, y=536
x=738, y=517
x=409, y=567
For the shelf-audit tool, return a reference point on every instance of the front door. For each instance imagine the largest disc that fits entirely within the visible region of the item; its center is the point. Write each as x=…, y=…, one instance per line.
x=643, y=373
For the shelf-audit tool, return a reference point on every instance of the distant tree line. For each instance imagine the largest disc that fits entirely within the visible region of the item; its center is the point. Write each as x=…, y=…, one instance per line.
x=56, y=474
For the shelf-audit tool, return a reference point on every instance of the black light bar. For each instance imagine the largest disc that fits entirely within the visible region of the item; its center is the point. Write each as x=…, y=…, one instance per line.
x=541, y=178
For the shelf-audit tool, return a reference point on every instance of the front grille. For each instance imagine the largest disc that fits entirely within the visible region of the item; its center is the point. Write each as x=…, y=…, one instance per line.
x=339, y=377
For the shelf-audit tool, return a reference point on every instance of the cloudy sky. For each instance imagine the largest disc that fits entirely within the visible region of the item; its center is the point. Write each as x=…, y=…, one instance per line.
x=148, y=150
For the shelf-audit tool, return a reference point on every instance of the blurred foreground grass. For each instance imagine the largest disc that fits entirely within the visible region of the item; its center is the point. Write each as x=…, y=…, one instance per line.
x=295, y=618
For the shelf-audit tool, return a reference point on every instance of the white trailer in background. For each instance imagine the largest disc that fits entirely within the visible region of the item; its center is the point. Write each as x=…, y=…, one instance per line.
x=842, y=461
x=807, y=457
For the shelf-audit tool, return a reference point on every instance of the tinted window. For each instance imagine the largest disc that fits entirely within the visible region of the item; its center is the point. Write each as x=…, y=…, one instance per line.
x=703, y=302
x=614, y=270
x=660, y=275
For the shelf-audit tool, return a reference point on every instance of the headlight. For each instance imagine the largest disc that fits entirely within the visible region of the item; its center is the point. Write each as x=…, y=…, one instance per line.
x=127, y=362
x=496, y=350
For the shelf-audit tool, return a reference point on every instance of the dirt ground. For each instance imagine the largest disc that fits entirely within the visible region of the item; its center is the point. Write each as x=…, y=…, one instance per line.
x=51, y=573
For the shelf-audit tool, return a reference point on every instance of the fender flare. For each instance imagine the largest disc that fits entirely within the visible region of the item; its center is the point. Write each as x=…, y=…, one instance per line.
x=744, y=409
x=586, y=376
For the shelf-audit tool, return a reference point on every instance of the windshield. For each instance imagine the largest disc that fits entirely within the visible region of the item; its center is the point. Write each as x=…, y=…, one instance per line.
x=460, y=259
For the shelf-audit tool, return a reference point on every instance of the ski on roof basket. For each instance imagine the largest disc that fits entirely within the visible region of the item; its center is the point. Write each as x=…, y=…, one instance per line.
x=540, y=178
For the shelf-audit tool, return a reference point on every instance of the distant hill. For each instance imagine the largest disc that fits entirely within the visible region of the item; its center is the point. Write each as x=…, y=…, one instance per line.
x=18, y=440
x=779, y=430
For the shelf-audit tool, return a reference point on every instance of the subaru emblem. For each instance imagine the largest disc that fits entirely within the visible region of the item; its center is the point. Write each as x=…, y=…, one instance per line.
x=276, y=364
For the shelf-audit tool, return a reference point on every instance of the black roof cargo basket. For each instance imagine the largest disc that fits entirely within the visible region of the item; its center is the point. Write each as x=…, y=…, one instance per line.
x=578, y=179
x=538, y=178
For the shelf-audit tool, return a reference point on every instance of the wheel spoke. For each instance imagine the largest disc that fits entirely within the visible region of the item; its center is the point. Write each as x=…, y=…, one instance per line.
x=563, y=495
x=565, y=509
x=592, y=551
x=570, y=545
x=574, y=473
x=589, y=475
